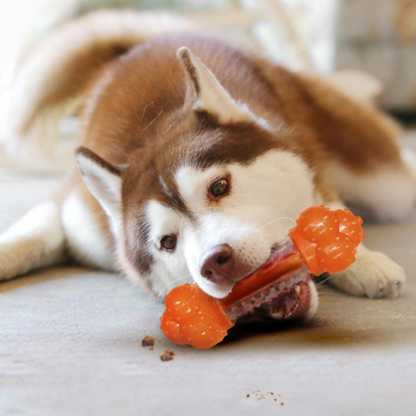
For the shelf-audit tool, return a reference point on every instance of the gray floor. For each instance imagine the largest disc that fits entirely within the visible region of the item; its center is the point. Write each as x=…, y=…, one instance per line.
x=71, y=345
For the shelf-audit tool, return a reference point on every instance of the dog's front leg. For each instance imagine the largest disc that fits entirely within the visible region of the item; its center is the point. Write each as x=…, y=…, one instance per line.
x=373, y=274
x=36, y=240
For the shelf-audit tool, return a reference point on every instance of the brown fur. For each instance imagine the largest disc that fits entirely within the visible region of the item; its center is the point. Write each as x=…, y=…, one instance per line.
x=139, y=117
x=149, y=85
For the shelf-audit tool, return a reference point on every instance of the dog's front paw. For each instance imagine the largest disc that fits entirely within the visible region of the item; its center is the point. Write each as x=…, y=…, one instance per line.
x=373, y=274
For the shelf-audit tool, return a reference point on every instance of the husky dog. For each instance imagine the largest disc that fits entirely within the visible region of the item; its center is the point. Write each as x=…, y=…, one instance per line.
x=195, y=157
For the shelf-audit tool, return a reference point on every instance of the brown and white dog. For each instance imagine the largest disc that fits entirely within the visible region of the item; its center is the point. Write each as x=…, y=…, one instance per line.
x=196, y=155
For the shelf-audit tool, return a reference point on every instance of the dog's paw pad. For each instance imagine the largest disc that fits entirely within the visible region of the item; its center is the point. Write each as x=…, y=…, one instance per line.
x=374, y=275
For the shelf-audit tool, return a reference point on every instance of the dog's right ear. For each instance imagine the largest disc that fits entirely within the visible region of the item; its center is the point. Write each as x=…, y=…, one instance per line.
x=104, y=182
x=205, y=93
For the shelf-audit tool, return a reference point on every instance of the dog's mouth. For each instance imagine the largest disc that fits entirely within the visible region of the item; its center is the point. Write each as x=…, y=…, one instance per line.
x=279, y=285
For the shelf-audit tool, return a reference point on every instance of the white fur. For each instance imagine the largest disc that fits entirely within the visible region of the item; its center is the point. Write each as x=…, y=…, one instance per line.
x=106, y=188
x=85, y=240
x=384, y=194
x=36, y=240
x=164, y=220
x=277, y=184
x=168, y=267
x=213, y=97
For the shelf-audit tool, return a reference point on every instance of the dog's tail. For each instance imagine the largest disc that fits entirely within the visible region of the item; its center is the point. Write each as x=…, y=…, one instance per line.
x=53, y=81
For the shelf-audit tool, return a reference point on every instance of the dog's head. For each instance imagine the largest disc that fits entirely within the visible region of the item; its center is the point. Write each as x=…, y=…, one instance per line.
x=209, y=198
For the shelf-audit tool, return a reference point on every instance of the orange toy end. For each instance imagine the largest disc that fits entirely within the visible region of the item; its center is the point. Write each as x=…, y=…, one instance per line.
x=327, y=239
x=194, y=318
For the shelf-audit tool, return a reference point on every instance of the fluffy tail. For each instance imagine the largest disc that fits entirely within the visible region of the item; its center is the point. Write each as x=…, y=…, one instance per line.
x=54, y=79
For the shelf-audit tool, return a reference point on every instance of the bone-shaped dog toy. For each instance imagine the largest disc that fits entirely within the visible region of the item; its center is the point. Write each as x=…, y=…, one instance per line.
x=322, y=241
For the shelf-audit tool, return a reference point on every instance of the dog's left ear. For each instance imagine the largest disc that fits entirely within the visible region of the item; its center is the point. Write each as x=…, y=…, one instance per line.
x=205, y=93
x=104, y=182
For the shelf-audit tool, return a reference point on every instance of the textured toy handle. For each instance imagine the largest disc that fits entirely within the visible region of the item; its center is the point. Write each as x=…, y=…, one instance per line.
x=327, y=240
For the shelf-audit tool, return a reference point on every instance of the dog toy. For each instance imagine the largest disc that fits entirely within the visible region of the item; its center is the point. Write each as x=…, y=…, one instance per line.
x=322, y=241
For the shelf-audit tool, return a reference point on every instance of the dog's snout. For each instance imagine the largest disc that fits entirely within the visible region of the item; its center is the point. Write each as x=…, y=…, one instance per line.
x=218, y=264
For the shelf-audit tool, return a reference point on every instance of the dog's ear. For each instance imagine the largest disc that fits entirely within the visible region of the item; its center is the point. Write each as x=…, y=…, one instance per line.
x=205, y=93
x=104, y=182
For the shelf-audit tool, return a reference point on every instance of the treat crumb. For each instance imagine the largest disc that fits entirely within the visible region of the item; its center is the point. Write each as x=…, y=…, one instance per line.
x=264, y=396
x=148, y=341
x=168, y=355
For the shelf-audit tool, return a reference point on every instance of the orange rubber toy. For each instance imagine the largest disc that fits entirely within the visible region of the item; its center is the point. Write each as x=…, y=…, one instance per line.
x=322, y=241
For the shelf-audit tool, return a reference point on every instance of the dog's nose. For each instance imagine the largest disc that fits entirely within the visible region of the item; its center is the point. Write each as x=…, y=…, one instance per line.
x=218, y=264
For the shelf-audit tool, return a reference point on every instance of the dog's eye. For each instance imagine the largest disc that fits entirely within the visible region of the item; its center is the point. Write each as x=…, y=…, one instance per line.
x=168, y=243
x=219, y=188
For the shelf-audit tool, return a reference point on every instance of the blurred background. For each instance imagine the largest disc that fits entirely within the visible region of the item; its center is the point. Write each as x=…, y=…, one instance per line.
x=326, y=36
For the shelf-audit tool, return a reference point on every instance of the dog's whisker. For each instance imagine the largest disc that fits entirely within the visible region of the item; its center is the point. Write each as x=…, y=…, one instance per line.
x=277, y=219
x=172, y=124
x=264, y=246
x=268, y=235
x=252, y=233
x=258, y=230
x=171, y=283
x=151, y=122
x=322, y=282
x=255, y=225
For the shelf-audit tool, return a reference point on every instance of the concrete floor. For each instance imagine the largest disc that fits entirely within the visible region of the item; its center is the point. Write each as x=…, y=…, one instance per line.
x=70, y=344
